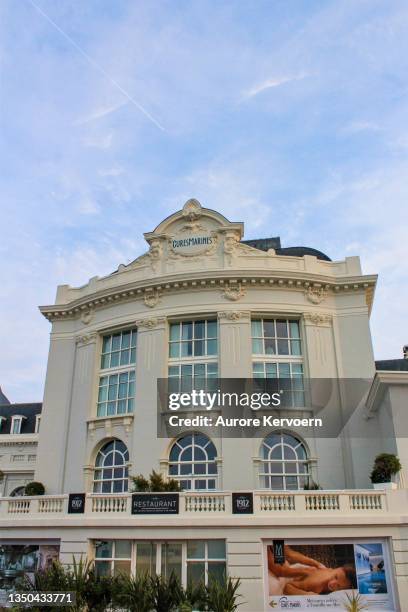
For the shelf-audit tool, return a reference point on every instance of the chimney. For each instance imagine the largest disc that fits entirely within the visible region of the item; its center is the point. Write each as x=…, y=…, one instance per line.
x=405, y=351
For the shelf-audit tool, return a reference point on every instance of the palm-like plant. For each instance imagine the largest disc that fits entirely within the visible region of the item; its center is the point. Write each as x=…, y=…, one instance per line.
x=133, y=593
x=355, y=603
x=222, y=596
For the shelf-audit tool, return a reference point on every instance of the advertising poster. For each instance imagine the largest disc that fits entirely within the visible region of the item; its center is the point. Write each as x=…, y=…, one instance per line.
x=324, y=575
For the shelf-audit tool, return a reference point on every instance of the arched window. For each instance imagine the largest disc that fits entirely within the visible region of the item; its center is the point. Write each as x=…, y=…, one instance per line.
x=193, y=462
x=284, y=462
x=111, y=471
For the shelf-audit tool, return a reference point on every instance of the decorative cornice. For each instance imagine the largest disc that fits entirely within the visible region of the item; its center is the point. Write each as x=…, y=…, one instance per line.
x=151, y=290
x=317, y=318
x=234, y=315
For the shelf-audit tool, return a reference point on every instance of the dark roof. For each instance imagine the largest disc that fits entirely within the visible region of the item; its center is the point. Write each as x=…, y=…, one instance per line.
x=263, y=244
x=3, y=398
x=396, y=365
x=28, y=410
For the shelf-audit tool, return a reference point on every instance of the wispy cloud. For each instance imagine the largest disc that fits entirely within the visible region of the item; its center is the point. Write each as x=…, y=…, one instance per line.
x=272, y=83
x=99, y=113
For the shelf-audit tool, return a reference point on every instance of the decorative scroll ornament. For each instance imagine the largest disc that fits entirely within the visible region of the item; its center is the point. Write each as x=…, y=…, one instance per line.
x=316, y=295
x=152, y=298
x=317, y=318
x=233, y=292
x=150, y=323
x=86, y=338
x=155, y=253
x=87, y=316
x=234, y=315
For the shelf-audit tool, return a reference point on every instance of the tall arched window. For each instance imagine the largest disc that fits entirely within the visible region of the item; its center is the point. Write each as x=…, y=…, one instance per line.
x=111, y=470
x=18, y=492
x=284, y=462
x=193, y=462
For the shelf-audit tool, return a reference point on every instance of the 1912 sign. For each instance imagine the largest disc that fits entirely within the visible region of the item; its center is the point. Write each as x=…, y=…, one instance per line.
x=76, y=503
x=155, y=503
x=242, y=503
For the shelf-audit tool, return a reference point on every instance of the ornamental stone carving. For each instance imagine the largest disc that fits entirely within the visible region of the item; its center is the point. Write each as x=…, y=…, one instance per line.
x=318, y=318
x=234, y=315
x=155, y=253
x=86, y=339
x=233, y=292
x=152, y=298
x=316, y=295
x=150, y=323
x=87, y=316
x=192, y=209
x=231, y=242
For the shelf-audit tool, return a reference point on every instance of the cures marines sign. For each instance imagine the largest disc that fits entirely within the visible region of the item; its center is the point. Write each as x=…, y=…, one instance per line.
x=192, y=232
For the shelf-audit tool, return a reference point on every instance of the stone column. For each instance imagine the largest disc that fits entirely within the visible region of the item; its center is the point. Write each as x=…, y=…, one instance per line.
x=151, y=364
x=235, y=361
x=83, y=407
x=55, y=413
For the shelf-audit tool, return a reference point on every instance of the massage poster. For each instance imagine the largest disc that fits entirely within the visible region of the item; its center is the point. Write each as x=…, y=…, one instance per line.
x=326, y=575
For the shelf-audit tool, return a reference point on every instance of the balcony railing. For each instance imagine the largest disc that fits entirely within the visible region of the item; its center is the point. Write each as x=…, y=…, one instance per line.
x=212, y=504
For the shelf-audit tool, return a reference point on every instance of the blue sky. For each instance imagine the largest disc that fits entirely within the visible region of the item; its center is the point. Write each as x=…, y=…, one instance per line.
x=289, y=115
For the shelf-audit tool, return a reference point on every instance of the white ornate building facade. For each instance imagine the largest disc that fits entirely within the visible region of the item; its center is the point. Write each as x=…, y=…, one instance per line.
x=201, y=303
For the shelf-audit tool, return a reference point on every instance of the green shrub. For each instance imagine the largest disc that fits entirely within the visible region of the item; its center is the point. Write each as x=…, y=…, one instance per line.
x=155, y=484
x=385, y=466
x=34, y=488
x=133, y=593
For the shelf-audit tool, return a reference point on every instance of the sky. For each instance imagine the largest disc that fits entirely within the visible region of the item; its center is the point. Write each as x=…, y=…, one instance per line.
x=289, y=115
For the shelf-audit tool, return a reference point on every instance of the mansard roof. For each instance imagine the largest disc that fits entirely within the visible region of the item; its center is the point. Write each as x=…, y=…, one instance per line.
x=264, y=244
x=3, y=398
x=29, y=411
x=394, y=365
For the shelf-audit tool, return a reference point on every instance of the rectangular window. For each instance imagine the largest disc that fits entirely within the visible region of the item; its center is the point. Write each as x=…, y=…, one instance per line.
x=193, y=339
x=119, y=349
x=277, y=353
x=193, y=355
x=37, y=423
x=113, y=557
x=276, y=337
x=16, y=423
x=205, y=560
x=116, y=392
x=191, y=561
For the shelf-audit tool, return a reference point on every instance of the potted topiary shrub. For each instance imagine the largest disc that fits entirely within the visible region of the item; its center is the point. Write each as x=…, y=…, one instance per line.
x=34, y=488
x=385, y=467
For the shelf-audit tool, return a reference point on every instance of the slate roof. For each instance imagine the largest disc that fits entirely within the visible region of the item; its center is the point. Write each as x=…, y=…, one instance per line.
x=28, y=410
x=263, y=244
x=395, y=365
x=3, y=398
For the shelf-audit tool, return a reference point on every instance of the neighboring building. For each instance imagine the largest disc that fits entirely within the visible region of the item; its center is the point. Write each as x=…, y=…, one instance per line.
x=203, y=303
x=19, y=427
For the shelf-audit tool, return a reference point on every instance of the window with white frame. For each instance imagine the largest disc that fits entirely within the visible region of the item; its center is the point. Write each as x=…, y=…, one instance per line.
x=16, y=423
x=191, y=561
x=116, y=392
x=111, y=468
x=284, y=463
x=193, y=462
x=277, y=353
x=37, y=422
x=193, y=354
